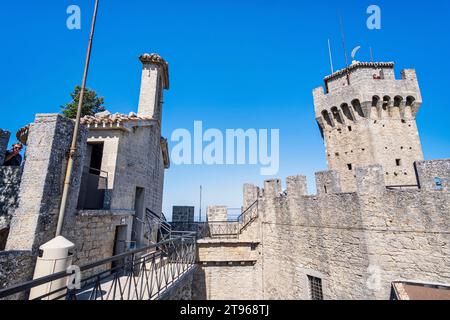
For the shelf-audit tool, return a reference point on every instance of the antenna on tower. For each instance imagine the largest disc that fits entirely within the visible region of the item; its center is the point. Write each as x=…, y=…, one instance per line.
x=344, y=46
x=331, y=56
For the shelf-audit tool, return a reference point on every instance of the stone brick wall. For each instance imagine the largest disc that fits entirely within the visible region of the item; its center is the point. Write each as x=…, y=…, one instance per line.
x=94, y=234
x=183, y=214
x=9, y=191
x=217, y=213
x=34, y=221
x=4, y=139
x=183, y=290
x=139, y=165
x=232, y=282
x=14, y=267
x=371, y=122
x=434, y=175
x=358, y=243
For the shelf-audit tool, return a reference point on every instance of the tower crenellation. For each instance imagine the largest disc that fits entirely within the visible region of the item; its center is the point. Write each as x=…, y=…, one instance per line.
x=367, y=117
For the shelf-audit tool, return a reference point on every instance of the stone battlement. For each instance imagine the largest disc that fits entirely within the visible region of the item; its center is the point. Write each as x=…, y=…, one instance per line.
x=342, y=238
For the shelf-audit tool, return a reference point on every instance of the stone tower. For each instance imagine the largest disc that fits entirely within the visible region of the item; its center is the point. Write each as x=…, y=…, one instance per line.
x=367, y=117
x=155, y=79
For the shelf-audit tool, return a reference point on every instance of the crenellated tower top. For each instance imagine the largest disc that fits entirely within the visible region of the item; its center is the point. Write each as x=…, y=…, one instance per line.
x=367, y=117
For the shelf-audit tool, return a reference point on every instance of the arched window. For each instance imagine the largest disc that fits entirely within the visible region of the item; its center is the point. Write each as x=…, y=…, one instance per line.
x=357, y=107
x=375, y=100
x=410, y=101
x=327, y=118
x=347, y=112
x=397, y=101
x=337, y=115
x=386, y=100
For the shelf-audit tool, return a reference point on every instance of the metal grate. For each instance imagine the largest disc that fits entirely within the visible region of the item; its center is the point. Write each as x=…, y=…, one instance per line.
x=315, y=286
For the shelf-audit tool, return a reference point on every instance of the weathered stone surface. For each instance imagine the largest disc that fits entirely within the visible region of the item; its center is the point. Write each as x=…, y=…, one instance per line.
x=14, y=267
x=34, y=221
x=183, y=214
x=356, y=243
x=370, y=121
x=217, y=213
x=9, y=191
x=4, y=139
x=434, y=175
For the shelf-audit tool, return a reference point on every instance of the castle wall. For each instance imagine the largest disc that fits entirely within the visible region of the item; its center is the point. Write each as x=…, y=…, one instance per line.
x=4, y=139
x=217, y=213
x=183, y=214
x=34, y=221
x=228, y=269
x=371, y=121
x=227, y=283
x=434, y=175
x=357, y=243
x=15, y=266
x=9, y=190
x=94, y=234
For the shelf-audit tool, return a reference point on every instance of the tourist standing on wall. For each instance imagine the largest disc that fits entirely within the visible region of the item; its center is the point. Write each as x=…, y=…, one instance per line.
x=13, y=157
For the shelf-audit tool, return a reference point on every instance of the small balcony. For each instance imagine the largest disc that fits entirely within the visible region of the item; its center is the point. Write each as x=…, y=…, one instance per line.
x=93, y=190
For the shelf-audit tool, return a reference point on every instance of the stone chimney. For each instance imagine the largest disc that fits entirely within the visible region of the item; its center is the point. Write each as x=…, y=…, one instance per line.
x=155, y=79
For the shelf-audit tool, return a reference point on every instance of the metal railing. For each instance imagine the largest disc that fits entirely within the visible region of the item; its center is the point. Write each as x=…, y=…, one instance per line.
x=163, y=227
x=250, y=214
x=230, y=228
x=94, y=184
x=143, y=274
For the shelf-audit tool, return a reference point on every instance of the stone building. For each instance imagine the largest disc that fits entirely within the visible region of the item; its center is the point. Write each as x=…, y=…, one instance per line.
x=183, y=214
x=379, y=222
x=374, y=221
x=367, y=117
x=117, y=178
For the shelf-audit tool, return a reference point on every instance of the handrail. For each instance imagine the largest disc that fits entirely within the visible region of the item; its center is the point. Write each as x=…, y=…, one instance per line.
x=246, y=210
x=97, y=170
x=223, y=228
x=154, y=248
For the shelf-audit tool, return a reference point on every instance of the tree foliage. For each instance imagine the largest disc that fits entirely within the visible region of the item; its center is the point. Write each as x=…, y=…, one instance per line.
x=92, y=104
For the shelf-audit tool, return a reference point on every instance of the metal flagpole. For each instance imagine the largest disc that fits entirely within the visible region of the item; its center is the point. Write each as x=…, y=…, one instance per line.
x=73, y=147
x=331, y=56
x=200, y=211
x=344, y=46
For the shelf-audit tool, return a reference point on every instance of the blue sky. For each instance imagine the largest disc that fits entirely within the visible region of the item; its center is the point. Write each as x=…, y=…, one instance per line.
x=233, y=64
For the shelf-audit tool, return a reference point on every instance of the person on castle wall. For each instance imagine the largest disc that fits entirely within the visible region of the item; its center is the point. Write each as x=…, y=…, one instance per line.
x=13, y=157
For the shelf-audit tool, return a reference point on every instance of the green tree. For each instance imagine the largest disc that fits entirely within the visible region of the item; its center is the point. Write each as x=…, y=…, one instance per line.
x=92, y=104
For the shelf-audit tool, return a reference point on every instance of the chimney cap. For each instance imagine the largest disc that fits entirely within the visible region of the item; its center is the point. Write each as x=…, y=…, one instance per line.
x=154, y=58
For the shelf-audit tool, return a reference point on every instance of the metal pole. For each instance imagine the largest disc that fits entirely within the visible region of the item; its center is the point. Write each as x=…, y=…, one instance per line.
x=344, y=46
x=331, y=56
x=200, y=211
x=73, y=147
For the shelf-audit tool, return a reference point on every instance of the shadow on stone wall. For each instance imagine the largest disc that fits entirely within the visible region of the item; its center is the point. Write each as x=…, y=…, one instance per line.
x=9, y=190
x=199, y=285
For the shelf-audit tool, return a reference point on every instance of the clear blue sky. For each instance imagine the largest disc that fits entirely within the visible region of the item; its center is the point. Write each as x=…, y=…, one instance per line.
x=233, y=64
